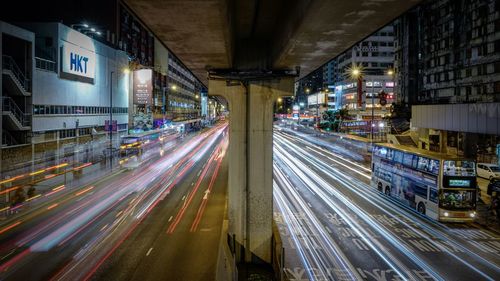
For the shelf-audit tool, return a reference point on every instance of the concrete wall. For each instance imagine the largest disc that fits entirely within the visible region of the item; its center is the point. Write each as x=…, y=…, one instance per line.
x=482, y=118
x=161, y=57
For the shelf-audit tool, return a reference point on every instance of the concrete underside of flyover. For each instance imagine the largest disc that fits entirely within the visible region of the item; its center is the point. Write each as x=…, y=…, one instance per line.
x=257, y=34
x=245, y=46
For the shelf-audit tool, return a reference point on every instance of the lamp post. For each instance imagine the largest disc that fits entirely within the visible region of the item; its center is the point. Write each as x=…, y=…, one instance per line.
x=307, y=92
x=317, y=111
x=372, y=125
x=391, y=73
x=110, y=126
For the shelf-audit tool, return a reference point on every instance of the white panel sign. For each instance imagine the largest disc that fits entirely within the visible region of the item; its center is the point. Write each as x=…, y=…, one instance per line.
x=77, y=61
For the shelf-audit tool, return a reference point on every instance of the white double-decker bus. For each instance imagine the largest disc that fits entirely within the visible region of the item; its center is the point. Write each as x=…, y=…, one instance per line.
x=437, y=185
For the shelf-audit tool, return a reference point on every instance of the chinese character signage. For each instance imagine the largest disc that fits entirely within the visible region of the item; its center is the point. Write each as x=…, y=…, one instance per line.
x=143, y=86
x=114, y=125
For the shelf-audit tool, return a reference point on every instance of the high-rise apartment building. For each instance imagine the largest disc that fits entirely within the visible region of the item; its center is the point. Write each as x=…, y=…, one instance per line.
x=448, y=68
x=373, y=60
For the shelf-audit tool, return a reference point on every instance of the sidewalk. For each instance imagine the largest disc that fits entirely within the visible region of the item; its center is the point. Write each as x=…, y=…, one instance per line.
x=486, y=219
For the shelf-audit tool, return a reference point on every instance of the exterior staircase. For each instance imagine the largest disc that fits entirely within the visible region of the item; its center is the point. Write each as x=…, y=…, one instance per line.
x=15, y=117
x=405, y=140
x=8, y=139
x=14, y=79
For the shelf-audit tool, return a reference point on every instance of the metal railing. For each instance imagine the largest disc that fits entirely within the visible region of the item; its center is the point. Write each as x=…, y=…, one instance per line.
x=9, y=63
x=45, y=64
x=10, y=105
x=8, y=139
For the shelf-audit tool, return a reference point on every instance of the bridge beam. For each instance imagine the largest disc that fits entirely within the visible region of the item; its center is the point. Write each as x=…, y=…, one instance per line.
x=250, y=155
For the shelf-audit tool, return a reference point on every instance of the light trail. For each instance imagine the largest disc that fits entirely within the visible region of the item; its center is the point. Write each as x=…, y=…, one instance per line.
x=333, y=252
x=370, y=195
x=321, y=187
x=71, y=221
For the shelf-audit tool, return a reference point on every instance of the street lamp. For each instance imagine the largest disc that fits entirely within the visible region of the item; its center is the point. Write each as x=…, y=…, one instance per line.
x=391, y=73
x=110, y=125
x=317, y=110
x=357, y=74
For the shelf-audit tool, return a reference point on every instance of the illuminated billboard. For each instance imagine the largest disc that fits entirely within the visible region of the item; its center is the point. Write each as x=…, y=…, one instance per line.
x=143, y=86
x=314, y=99
x=77, y=61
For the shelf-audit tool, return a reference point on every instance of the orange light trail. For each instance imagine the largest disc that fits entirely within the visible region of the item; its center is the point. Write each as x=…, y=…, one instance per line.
x=55, y=189
x=12, y=179
x=52, y=206
x=82, y=166
x=10, y=227
x=83, y=191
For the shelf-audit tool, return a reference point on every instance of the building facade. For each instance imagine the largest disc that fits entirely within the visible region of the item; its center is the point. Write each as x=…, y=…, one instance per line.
x=68, y=86
x=114, y=24
x=448, y=67
x=309, y=84
x=17, y=49
x=361, y=73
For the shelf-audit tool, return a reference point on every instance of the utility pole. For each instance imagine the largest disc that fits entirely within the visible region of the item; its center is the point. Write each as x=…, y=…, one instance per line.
x=110, y=126
x=373, y=108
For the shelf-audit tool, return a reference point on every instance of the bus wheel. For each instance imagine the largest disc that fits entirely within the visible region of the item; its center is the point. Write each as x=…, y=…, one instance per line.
x=387, y=191
x=379, y=185
x=421, y=208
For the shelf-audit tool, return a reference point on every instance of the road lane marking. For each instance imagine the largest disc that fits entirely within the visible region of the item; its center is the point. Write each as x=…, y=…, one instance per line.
x=104, y=227
x=149, y=252
x=328, y=229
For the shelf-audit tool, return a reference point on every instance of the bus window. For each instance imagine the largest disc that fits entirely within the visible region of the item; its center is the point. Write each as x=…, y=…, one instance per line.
x=433, y=195
x=433, y=166
x=408, y=159
x=420, y=190
x=398, y=156
x=423, y=163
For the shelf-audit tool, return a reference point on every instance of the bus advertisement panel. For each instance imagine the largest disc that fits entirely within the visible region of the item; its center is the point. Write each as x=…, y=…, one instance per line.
x=430, y=183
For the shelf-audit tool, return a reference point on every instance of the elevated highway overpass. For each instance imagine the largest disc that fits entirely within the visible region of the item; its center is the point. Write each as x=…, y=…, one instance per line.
x=250, y=52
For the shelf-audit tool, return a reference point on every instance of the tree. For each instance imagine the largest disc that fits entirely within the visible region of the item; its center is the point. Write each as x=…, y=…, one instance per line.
x=18, y=197
x=31, y=192
x=335, y=117
x=400, y=110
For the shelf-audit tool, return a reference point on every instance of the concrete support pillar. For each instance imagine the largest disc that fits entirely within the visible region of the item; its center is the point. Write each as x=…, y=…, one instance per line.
x=443, y=141
x=250, y=203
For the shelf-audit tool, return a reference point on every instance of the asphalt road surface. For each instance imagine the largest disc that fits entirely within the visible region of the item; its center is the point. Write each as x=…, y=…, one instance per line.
x=73, y=233
x=336, y=227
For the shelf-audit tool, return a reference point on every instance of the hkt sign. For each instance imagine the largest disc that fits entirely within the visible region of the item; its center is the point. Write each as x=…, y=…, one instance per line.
x=77, y=61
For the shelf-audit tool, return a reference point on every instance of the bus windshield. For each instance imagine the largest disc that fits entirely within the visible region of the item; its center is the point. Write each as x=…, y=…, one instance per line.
x=129, y=140
x=459, y=168
x=450, y=199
